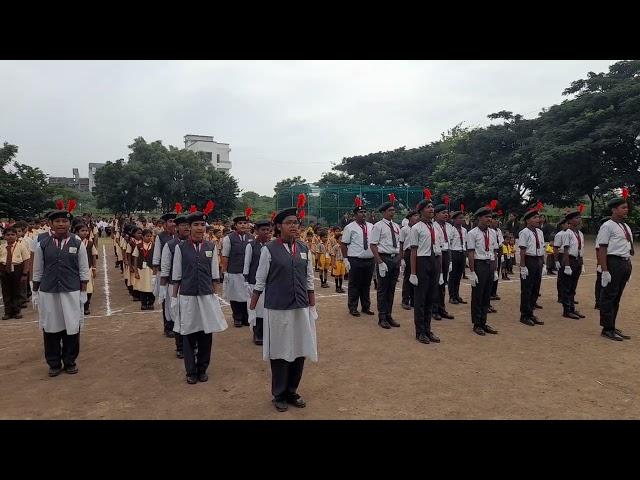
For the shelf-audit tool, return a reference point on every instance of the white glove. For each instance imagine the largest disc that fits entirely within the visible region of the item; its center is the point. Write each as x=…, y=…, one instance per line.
x=403, y=264
x=441, y=279
x=606, y=279
x=473, y=278
x=153, y=279
x=599, y=269
x=544, y=269
x=83, y=297
x=495, y=275
x=413, y=280
x=524, y=273
x=382, y=269
x=567, y=270
x=313, y=313
x=347, y=265
x=557, y=265
x=584, y=270
x=450, y=267
x=34, y=299
x=162, y=293
x=174, y=302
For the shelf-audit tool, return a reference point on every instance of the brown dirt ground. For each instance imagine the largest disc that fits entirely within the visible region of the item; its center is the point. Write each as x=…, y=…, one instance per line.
x=128, y=369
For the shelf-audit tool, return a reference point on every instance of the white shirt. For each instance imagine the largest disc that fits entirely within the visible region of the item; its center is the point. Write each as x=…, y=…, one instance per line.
x=477, y=241
x=558, y=239
x=381, y=236
x=527, y=239
x=440, y=230
x=569, y=239
x=454, y=239
x=420, y=237
x=497, y=234
x=404, y=237
x=612, y=235
x=352, y=236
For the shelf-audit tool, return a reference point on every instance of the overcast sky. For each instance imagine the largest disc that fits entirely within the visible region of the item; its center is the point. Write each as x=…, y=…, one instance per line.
x=281, y=118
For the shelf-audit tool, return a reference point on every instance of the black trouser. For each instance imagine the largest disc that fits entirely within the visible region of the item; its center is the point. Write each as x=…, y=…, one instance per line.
x=179, y=342
x=360, y=276
x=11, y=289
x=551, y=263
x=61, y=348
x=88, y=302
x=569, y=283
x=481, y=293
x=147, y=298
x=258, y=329
x=494, y=283
x=427, y=271
x=285, y=378
x=168, y=324
x=407, y=288
x=196, y=364
x=457, y=269
x=387, y=285
x=443, y=267
x=559, y=281
x=620, y=270
x=598, y=287
x=530, y=287
x=239, y=312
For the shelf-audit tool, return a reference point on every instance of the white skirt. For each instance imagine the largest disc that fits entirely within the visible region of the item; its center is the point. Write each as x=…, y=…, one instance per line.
x=234, y=288
x=198, y=313
x=289, y=334
x=259, y=311
x=60, y=311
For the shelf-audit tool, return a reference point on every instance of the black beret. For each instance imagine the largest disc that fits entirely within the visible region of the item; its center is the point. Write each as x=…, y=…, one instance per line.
x=483, y=211
x=530, y=214
x=262, y=223
x=196, y=217
x=422, y=204
x=572, y=214
x=616, y=202
x=361, y=208
x=411, y=214
x=561, y=222
x=282, y=214
x=455, y=214
x=385, y=206
x=440, y=208
x=240, y=218
x=60, y=214
x=168, y=216
x=182, y=218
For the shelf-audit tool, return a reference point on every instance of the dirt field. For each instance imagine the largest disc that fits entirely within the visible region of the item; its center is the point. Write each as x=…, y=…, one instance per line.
x=128, y=369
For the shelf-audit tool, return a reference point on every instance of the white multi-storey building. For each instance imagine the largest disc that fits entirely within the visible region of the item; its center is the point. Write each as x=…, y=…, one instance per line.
x=217, y=153
x=93, y=168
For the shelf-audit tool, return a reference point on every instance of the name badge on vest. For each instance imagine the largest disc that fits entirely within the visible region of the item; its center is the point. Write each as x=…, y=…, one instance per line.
x=303, y=255
x=209, y=253
x=144, y=264
x=73, y=250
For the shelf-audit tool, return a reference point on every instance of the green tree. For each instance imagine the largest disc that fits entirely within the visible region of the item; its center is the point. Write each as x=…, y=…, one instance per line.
x=289, y=182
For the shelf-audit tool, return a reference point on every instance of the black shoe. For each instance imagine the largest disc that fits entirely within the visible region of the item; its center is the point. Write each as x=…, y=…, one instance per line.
x=447, y=315
x=453, y=301
x=495, y=297
x=87, y=312
x=355, y=313
x=392, y=322
x=297, y=401
x=384, y=324
x=535, y=320
x=71, y=369
x=6, y=317
x=611, y=335
x=570, y=315
x=237, y=323
x=491, y=310
x=326, y=285
x=192, y=379
x=576, y=302
x=620, y=334
x=579, y=314
x=527, y=321
x=368, y=312
x=596, y=307
x=537, y=306
x=203, y=377
x=479, y=330
x=550, y=273
x=245, y=323
x=179, y=354
x=405, y=306
x=54, y=372
x=436, y=316
x=340, y=290
x=490, y=329
x=461, y=301
x=422, y=338
x=281, y=405
x=17, y=316
x=170, y=334
x=432, y=337
x=507, y=278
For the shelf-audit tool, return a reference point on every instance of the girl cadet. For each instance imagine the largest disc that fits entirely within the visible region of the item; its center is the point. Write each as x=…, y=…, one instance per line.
x=142, y=256
x=251, y=261
x=60, y=276
x=233, y=249
x=83, y=232
x=285, y=278
x=195, y=271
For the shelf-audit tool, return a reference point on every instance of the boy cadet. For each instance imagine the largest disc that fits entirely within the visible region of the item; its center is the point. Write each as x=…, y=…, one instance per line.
x=14, y=272
x=572, y=262
x=495, y=230
x=407, y=289
x=481, y=245
x=168, y=233
x=615, y=249
x=233, y=250
x=444, y=232
x=385, y=247
x=458, y=252
x=251, y=261
x=195, y=273
x=558, y=240
x=60, y=276
x=598, y=282
x=424, y=271
x=531, y=243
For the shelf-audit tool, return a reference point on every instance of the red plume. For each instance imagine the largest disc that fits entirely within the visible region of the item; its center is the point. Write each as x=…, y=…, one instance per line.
x=625, y=192
x=193, y=208
x=273, y=215
x=209, y=208
x=178, y=208
x=539, y=205
x=301, y=200
x=248, y=211
x=462, y=207
x=500, y=213
x=71, y=205
x=392, y=197
x=488, y=205
x=445, y=199
x=427, y=194
x=301, y=214
x=493, y=204
x=581, y=208
x=358, y=201
x=60, y=204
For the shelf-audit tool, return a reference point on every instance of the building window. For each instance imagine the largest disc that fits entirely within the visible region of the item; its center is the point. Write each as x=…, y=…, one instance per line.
x=218, y=157
x=208, y=156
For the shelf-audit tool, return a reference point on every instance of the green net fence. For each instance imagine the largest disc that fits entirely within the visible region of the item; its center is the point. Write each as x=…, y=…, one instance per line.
x=327, y=204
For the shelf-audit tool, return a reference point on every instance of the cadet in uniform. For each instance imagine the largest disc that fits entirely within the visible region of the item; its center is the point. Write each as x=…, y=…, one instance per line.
x=407, y=289
x=557, y=245
x=251, y=261
x=531, y=243
x=572, y=261
x=495, y=230
x=598, y=282
x=233, y=250
x=14, y=272
x=444, y=232
x=168, y=233
x=458, y=252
